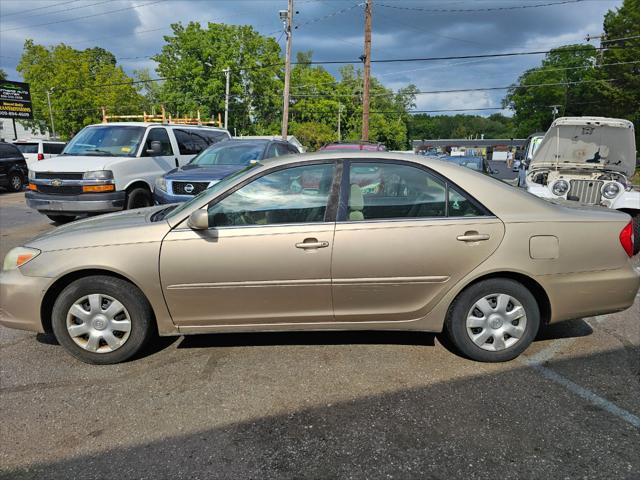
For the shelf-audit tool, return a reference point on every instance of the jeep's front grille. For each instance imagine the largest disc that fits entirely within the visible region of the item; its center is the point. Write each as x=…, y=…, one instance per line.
x=183, y=188
x=58, y=176
x=585, y=191
x=61, y=190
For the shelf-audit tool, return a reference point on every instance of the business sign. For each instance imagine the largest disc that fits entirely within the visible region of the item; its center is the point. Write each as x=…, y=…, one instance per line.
x=15, y=100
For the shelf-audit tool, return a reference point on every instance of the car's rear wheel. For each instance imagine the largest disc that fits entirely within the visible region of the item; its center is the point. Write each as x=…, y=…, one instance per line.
x=494, y=320
x=15, y=182
x=138, y=198
x=61, y=218
x=102, y=320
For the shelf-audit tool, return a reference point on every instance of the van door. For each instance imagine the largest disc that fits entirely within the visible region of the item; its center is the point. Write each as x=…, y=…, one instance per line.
x=150, y=166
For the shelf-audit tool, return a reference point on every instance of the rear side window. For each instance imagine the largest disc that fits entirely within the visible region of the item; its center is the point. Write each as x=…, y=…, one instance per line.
x=379, y=191
x=193, y=141
x=282, y=149
x=158, y=135
x=27, y=147
x=53, y=148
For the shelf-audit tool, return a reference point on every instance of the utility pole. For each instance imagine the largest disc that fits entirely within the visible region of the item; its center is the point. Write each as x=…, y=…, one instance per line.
x=554, y=110
x=287, y=20
x=227, y=74
x=367, y=70
x=53, y=128
x=340, y=106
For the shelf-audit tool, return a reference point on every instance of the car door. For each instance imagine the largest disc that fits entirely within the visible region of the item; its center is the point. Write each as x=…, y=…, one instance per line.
x=265, y=259
x=404, y=236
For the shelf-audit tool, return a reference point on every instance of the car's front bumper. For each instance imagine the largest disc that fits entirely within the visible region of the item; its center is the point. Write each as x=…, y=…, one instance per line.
x=161, y=197
x=76, y=204
x=20, y=300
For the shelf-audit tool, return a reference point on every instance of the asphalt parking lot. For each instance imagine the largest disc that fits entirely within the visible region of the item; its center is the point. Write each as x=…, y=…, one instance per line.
x=320, y=405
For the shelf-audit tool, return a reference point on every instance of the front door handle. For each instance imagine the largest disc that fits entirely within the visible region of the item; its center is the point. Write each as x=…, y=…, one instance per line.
x=310, y=243
x=472, y=237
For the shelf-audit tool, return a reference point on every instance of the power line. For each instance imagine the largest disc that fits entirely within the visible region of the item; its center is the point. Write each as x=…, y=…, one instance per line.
x=39, y=8
x=84, y=16
x=65, y=10
x=475, y=10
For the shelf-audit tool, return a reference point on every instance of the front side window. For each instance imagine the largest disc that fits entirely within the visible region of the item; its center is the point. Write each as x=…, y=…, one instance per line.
x=158, y=135
x=109, y=140
x=292, y=195
x=379, y=191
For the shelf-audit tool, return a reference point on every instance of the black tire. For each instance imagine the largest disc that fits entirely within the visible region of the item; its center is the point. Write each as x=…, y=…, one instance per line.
x=61, y=219
x=456, y=328
x=138, y=198
x=635, y=221
x=16, y=182
x=133, y=300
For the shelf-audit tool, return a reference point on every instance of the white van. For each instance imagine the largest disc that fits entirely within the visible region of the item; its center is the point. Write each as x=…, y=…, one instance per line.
x=113, y=166
x=37, y=149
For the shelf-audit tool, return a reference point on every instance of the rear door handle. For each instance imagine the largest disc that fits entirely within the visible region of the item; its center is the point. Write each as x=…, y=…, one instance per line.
x=310, y=243
x=472, y=237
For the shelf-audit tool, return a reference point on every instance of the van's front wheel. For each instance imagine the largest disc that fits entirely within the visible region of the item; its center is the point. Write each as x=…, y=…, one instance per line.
x=138, y=198
x=61, y=219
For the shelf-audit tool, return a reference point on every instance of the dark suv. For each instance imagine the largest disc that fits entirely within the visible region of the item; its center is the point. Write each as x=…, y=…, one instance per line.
x=213, y=164
x=13, y=168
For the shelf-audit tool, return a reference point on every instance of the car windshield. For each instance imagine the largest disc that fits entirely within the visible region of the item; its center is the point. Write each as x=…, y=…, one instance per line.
x=209, y=192
x=27, y=147
x=228, y=154
x=474, y=163
x=110, y=140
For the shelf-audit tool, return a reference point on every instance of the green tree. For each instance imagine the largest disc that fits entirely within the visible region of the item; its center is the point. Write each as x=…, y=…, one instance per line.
x=575, y=87
x=622, y=97
x=313, y=135
x=3, y=74
x=193, y=59
x=80, y=82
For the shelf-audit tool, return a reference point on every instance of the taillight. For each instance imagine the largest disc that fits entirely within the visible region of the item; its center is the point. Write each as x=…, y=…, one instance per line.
x=626, y=239
x=40, y=156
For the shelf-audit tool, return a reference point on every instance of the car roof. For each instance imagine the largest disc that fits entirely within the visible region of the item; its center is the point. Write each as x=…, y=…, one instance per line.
x=155, y=124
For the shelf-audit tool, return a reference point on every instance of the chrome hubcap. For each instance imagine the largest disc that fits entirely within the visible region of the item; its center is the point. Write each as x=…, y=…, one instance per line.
x=496, y=322
x=16, y=182
x=98, y=323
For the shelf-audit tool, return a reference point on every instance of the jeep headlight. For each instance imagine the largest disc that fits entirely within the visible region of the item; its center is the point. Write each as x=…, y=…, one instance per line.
x=19, y=256
x=98, y=175
x=610, y=190
x=161, y=184
x=560, y=188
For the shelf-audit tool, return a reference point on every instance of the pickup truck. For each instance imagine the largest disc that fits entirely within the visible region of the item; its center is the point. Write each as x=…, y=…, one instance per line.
x=113, y=166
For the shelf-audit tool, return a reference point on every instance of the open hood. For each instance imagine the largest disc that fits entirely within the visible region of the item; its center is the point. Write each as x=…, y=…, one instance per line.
x=588, y=142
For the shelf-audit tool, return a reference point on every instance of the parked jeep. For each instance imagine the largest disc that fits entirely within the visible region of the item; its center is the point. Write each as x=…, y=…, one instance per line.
x=110, y=167
x=588, y=160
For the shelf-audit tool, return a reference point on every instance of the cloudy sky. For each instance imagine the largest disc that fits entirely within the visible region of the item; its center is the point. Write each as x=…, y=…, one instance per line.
x=333, y=29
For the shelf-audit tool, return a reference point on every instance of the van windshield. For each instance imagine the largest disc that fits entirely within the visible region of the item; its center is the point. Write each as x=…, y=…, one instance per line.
x=109, y=140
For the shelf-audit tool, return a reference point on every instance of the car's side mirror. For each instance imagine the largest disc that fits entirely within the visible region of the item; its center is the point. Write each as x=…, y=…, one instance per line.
x=199, y=220
x=156, y=148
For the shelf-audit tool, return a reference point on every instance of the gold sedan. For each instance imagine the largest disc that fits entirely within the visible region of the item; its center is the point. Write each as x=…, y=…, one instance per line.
x=327, y=241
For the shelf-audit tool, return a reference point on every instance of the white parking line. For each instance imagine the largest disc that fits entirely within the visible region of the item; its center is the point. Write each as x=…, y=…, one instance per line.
x=536, y=361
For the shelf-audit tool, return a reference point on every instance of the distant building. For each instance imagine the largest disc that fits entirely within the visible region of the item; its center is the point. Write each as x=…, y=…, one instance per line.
x=464, y=146
x=7, y=133
x=291, y=139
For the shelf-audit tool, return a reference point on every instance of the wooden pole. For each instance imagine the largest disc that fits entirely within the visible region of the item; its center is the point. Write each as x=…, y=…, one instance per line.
x=287, y=72
x=367, y=70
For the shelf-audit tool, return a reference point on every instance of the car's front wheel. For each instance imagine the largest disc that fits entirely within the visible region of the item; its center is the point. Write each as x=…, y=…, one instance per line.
x=102, y=320
x=494, y=320
x=61, y=218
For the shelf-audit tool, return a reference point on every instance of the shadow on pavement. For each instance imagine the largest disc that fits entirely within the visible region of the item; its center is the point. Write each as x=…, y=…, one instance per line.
x=503, y=424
